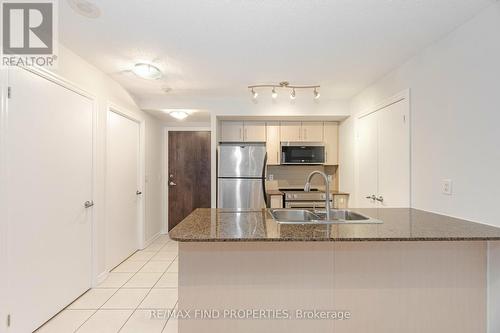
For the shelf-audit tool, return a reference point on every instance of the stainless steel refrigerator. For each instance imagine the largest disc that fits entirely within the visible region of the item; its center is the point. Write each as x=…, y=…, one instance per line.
x=241, y=176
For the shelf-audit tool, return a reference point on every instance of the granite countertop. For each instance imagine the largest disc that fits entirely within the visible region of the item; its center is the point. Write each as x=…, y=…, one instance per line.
x=399, y=224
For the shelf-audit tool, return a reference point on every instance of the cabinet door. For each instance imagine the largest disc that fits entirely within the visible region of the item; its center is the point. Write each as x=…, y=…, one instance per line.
x=276, y=201
x=254, y=131
x=290, y=131
x=232, y=131
x=273, y=143
x=331, y=139
x=312, y=131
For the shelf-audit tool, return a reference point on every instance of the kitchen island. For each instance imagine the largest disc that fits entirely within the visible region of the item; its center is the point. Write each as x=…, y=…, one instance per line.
x=415, y=272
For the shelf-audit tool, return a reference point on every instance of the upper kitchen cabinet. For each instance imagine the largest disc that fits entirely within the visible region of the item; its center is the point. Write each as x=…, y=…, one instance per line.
x=254, y=131
x=231, y=131
x=312, y=131
x=239, y=131
x=331, y=139
x=291, y=131
x=273, y=143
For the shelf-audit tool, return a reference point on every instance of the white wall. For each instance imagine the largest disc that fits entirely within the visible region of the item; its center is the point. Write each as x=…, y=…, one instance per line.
x=454, y=91
x=455, y=84
x=76, y=70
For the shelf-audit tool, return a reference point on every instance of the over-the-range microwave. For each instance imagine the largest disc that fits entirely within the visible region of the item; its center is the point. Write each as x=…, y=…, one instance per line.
x=302, y=153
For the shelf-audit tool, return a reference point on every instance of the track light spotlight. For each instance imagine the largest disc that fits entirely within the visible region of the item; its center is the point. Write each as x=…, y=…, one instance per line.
x=316, y=93
x=254, y=94
x=274, y=94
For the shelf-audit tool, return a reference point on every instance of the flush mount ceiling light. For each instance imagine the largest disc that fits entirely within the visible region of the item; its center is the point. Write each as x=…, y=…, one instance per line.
x=285, y=85
x=180, y=115
x=147, y=71
x=85, y=8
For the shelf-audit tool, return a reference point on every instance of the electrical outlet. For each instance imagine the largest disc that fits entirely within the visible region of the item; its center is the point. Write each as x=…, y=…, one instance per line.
x=447, y=186
x=330, y=178
x=270, y=177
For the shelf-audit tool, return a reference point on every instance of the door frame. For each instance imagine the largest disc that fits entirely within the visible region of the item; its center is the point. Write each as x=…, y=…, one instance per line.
x=166, y=130
x=405, y=97
x=122, y=111
x=4, y=118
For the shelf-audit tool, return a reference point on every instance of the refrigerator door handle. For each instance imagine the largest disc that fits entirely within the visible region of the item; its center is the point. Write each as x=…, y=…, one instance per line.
x=264, y=179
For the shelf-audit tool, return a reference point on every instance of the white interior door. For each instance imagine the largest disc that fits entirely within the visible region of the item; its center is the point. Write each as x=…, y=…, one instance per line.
x=383, y=150
x=122, y=183
x=48, y=179
x=394, y=155
x=367, y=160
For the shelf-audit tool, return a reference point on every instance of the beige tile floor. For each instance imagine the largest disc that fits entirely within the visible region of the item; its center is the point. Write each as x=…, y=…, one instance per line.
x=123, y=302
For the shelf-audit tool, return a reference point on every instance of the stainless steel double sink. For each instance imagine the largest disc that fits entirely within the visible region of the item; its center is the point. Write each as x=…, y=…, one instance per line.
x=305, y=216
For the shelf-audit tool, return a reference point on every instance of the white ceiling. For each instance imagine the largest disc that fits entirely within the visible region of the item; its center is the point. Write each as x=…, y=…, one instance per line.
x=213, y=48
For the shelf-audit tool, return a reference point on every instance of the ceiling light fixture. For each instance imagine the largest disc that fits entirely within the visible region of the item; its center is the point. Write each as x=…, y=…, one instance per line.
x=254, y=94
x=316, y=93
x=147, y=71
x=285, y=85
x=274, y=94
x=180, y=115
x=85, y=8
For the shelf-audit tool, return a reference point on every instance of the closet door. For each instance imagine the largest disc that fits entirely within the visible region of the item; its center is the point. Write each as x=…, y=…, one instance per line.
x=367, y=136
x=48, y=179
x=394, y=155
x=383, y=141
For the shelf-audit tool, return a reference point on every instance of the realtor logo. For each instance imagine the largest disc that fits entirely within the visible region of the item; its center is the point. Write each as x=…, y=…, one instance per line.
x=28, y=33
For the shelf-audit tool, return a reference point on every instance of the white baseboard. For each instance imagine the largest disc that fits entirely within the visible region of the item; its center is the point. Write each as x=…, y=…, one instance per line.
x=152, y=239
x=101, y=277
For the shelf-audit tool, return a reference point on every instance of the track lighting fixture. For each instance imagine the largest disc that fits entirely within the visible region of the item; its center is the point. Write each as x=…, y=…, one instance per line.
x=285, y=85
x=254, y=94
x=316, y=93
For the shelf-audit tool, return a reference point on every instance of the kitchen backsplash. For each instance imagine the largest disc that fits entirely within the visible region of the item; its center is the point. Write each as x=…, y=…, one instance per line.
x=295, y=175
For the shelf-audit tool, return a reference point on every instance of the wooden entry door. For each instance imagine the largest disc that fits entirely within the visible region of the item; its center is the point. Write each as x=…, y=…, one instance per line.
x=189, y=184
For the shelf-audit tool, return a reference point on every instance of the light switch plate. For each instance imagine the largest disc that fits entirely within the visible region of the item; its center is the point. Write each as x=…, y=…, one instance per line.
x=447, y=186
x=270, y=177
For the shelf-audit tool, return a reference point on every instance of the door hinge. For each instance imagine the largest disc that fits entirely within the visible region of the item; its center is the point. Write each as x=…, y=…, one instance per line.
x=9, y=92
x=8, y=320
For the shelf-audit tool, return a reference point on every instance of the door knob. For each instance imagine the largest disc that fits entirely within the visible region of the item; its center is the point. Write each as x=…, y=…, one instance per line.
x=88, y=204
x=372, y=197
x=380, y=198
x=172, y=184
x=138, y=192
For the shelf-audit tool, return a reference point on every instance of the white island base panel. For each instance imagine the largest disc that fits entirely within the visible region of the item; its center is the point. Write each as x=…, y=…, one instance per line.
x=388, y=287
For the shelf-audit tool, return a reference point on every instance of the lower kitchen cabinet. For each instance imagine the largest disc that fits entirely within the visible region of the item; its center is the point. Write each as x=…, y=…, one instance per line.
x=276, y=201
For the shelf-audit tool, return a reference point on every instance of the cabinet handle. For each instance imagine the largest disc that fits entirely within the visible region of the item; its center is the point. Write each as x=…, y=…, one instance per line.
x=380, y=198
